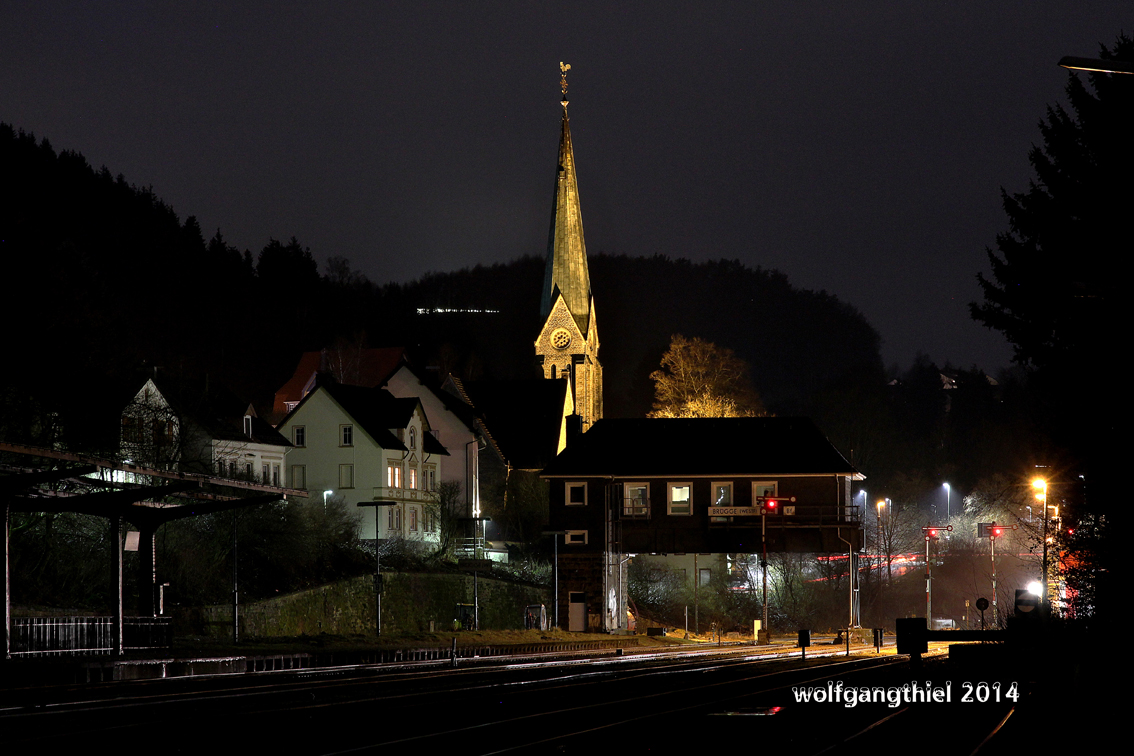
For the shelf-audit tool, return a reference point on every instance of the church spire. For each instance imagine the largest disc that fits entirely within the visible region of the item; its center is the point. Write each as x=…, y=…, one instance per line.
x=566, y=271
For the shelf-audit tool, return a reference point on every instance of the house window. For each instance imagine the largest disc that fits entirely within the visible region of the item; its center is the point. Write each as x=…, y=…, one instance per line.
x=289, y=406
x=705, y=574
x=635, y=499
x=299, y=476
x=722, y=497
x=578, y=537
x=412, y=438
x=248, y=426
x=680, y=499
x=394, y=519
x=429, y=478
x=275, y=475
x=346, y=476
x=761, y=489
x=413, y=519
x=346, y=435
x=265, y=474
x=412, y=472
x=576, y=494
x=299, y=435
x=393, y=475
x=130, y=430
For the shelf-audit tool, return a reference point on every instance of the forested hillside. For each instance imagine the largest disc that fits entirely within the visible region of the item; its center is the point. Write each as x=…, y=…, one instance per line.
x=113, y=286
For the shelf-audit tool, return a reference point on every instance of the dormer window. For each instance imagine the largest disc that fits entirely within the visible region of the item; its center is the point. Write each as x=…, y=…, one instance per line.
x=412, y=438
x=247, y=426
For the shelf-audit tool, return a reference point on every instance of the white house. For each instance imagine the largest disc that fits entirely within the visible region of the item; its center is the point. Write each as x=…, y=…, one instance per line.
x=372, y=449
x=195, y=429
x=452, y=422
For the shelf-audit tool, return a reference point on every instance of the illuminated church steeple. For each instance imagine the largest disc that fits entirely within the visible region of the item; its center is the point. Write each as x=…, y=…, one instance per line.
x=568, y=344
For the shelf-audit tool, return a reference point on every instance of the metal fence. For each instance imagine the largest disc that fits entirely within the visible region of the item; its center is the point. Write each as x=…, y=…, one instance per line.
x=44, y=636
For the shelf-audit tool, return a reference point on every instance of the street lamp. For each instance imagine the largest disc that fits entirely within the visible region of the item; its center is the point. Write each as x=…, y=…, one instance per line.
x=1099, y=66
x=1041, y=495
x=325, y=495
x=948, y=500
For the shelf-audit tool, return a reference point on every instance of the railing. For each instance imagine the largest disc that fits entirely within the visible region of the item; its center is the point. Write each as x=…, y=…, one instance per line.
x=636, y=509
x=790, y=515
x=43, y=636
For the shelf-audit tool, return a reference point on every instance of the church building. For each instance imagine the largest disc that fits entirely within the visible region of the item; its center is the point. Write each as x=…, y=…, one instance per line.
x=568, y=345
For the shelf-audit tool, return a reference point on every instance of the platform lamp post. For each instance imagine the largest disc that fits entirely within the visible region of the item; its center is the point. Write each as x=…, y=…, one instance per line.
x=377, y=561
x=948, y=501
x=555, y=541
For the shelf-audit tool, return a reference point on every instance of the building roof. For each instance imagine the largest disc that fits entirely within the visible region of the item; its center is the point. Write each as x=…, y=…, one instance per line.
x=693, y=447
x=217, y=411
x=378, y=412
x=353, y=367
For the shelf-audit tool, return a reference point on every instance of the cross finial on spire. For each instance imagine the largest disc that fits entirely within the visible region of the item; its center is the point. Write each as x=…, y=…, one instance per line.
x=563, y=69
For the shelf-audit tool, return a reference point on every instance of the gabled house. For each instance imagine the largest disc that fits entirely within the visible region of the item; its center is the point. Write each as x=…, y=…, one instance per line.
x=680, y=486
x=451, y=421
x=201, y=430
x=374, y=450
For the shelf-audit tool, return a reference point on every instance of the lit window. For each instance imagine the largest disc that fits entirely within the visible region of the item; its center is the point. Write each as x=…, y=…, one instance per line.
x=347, y=435
x=413, y=477
x=393, y=476
x=576, y=494
x=762, y=489
x=635, y=499
x=722, y=497
x=346, y=476
x=680, y=499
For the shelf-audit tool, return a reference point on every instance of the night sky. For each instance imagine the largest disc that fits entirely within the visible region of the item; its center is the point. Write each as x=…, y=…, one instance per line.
x=857, y=147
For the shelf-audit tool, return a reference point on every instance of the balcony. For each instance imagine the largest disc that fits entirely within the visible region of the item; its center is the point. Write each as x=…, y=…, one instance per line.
x=390, y=493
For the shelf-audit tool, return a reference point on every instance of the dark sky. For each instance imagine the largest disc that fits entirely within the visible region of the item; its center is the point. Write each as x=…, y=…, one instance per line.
x=857, y=147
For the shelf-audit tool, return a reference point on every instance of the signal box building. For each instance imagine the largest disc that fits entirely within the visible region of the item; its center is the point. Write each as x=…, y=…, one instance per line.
x=685, y=486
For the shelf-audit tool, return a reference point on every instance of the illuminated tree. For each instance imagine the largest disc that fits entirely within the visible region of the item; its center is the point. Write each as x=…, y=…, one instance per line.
x=700, y=379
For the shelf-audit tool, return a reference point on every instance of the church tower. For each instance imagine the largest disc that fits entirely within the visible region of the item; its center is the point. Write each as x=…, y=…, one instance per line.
x=568, y=345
